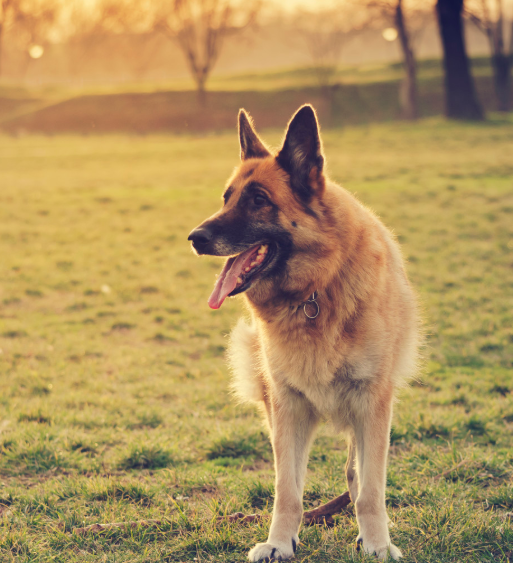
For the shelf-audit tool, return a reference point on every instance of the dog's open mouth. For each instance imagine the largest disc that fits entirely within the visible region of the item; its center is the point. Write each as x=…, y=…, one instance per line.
x=238, y=273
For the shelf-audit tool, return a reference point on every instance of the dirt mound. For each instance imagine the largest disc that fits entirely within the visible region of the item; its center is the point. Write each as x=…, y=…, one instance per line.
x=13, y=106
x=162, y=111
x=179, y=112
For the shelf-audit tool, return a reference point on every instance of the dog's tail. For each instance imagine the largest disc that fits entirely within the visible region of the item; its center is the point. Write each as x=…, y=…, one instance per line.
x=244, y=358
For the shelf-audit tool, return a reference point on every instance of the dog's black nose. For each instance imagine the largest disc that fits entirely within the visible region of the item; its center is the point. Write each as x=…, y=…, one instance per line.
x=200, y=236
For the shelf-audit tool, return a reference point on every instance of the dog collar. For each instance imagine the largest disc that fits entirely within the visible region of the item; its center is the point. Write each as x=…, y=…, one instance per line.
x=313, y=301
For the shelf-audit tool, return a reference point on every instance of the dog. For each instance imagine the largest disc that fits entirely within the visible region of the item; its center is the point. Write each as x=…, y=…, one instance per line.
x=334, y=326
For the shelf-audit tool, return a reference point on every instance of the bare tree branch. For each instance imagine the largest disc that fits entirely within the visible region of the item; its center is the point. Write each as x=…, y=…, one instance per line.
x=326, y=32
x=489, y=18
x=27, y=22
x=200, y=27
x=409, y=20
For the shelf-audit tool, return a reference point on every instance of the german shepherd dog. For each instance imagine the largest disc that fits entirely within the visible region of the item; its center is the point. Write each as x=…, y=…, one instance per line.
x=334, y=326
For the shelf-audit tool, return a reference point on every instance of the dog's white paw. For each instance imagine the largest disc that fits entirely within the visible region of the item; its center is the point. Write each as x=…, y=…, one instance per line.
x=384, y=552
x=276, y=551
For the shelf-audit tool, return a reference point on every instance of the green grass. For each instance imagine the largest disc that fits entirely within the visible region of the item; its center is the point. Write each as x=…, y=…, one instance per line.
x=114, y=402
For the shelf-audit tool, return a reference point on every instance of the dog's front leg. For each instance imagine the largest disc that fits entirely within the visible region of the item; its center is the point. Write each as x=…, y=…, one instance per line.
x=372, y=434
x=351, y=469
x=292, y=428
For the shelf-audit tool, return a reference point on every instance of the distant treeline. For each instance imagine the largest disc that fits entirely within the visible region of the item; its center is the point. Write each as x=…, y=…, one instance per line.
x=79, y=35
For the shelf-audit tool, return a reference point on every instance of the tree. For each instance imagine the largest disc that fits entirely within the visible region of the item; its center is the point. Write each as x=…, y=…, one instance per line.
x=200, y=27
x=325, y=32
x=409, y=19
x=5, y=18
x=491, y=21
x=460, y=93
x=89, y=25
x=410, y=99
x=27, y=22
x=139, y=50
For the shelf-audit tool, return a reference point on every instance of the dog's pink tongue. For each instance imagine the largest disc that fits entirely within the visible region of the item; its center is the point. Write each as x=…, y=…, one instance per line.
x=227, y=280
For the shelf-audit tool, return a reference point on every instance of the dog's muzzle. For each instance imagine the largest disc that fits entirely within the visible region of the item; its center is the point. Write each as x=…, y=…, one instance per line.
x=201, y=237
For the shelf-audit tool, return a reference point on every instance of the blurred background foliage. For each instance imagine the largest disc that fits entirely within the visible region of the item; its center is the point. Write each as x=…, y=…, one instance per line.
x=129, y=65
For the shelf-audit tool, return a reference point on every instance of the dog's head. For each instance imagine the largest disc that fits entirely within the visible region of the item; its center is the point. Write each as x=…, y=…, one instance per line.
x=270, y=206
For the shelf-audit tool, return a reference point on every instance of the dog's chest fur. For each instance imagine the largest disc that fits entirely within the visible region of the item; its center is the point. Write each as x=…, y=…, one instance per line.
x=331, y=379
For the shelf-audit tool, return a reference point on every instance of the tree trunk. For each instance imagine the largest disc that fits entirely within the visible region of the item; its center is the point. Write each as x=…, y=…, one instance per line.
x=200, y=91
x=502, y=80
x=328, y=93
x=460, y=94
x=409, y=93
x=1, y=45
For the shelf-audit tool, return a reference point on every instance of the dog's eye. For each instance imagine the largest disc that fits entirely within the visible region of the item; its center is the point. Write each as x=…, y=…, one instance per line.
x=227, y=194
x=259, y=200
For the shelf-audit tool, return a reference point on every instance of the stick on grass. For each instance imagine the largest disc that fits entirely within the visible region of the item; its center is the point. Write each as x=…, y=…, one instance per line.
x=449, y=471
x=94, y=528
x=321, y=515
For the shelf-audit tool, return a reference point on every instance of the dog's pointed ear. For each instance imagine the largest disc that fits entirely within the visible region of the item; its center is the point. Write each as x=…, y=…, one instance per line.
x=301, y=154
x=250, y=144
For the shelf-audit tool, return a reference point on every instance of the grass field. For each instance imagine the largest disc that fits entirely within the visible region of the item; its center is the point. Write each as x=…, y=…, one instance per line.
x=114, y=402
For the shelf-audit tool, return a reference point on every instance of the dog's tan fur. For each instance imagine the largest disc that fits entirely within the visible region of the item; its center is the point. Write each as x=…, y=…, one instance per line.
x=345, y=365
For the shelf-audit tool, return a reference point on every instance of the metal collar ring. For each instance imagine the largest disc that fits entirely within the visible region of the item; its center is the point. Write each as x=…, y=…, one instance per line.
x=312, y=300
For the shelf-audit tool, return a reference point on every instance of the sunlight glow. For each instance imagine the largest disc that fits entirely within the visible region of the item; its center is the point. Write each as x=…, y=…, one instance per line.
x=36, y=51
x=390, y=34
